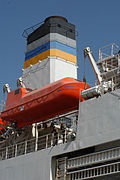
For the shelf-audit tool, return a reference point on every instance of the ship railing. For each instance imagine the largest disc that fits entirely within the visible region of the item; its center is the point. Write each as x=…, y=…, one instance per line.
x=108, y=51
x=32, y=145
x=31, y=29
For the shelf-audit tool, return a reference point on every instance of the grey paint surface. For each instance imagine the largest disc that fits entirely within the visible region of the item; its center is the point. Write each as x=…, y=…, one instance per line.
x=37, y=75
x=33, y=166
x=51, y=37
x=99, y=120
x=53, y=25
x=98, y=123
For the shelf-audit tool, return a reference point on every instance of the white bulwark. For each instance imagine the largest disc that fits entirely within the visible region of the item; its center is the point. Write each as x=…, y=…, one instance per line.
x=48, y=71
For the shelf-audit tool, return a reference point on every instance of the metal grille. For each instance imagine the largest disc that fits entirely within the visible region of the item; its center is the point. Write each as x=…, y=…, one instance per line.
x=95, y=172
x=93, y=165
x=94, y=158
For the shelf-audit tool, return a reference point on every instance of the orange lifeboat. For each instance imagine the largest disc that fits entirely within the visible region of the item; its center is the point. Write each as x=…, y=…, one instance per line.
x=2, y=126
x=25, y=106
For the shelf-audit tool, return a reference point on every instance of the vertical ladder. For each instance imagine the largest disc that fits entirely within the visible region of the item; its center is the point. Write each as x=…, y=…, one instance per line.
x=61, y=169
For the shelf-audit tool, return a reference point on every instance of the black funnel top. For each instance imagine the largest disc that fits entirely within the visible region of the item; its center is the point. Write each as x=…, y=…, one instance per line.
x=53, y=24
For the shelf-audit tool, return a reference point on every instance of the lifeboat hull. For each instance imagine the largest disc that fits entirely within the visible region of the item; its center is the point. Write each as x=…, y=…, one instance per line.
x=3, y=125
x=47, y=102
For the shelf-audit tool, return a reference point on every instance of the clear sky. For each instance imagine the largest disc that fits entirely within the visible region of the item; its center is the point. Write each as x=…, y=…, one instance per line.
x=97, y=23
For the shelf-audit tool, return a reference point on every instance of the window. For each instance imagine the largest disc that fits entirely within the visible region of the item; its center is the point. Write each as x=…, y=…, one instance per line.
x=28, y=89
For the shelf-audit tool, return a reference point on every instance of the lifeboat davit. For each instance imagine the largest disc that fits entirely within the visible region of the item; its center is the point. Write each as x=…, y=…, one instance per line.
x=25, y=106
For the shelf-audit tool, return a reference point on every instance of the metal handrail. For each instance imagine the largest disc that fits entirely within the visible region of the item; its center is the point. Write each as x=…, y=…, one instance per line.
x=31, y=29
x=32, y=145
x=112, y=48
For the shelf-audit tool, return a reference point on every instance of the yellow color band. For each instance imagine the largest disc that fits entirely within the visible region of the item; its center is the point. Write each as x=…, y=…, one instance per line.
x=50, y=52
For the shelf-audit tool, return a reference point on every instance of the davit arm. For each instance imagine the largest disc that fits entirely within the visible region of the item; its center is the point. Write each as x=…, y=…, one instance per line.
x=87, y=52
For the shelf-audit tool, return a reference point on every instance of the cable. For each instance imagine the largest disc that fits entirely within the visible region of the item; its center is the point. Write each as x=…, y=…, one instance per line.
x=84, y=75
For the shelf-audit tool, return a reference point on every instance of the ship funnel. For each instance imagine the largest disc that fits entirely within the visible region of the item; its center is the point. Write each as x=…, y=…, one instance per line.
x=53, y=43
